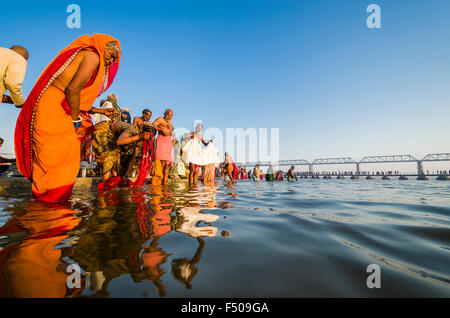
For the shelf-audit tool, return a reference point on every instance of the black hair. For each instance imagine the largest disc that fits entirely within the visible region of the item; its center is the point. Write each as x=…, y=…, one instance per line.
x=1, y=139
x=148, y=128
x=146, y=111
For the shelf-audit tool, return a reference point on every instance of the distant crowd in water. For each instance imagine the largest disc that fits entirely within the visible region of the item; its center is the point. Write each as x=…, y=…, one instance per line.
x=233, y=172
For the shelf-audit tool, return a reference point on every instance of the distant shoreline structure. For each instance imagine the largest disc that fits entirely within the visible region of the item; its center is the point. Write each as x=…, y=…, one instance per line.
x=436, y=157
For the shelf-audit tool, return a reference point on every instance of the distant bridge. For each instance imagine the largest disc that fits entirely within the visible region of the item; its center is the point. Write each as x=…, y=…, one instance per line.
x=348, y=160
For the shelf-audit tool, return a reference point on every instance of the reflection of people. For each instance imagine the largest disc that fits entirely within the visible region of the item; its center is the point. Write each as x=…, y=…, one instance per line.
x=34, y=267
x=54, y=118
x=113, y=242
x=152, y=259
x=190, y=218
x=184, y=269
x=13, y=66
x=160, y=218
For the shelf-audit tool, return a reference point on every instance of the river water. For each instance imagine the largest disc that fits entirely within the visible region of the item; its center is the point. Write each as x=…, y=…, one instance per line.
x=311, y=238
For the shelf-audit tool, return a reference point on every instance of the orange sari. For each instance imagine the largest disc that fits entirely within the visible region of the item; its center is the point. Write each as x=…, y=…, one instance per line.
x=47, y=146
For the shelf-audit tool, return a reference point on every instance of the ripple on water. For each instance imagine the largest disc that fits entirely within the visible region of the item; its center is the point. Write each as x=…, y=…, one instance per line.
x=279, y=239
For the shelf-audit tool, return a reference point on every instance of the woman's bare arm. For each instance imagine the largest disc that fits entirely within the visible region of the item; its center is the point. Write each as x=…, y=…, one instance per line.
x=84, y=72
x=125, y=139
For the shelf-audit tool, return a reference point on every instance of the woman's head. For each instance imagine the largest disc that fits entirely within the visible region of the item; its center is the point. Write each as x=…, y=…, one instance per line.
x=126, y=117
x=112, y=97
x=111, y=53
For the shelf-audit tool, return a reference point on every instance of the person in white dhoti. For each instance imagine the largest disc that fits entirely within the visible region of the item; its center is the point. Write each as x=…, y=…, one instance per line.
x=195, y=156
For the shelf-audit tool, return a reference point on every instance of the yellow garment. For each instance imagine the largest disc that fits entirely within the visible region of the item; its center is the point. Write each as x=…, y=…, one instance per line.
x=157, y=173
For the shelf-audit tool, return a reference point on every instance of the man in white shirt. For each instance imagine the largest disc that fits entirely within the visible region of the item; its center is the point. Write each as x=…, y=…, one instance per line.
x=109, y=103
x=13, y=66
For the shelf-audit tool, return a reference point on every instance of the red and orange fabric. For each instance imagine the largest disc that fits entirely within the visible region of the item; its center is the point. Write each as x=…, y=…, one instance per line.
x=47, y=146
x=145, y=165
x=34, y=268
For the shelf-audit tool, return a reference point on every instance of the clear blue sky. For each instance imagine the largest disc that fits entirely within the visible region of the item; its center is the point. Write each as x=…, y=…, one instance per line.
x=311, y=68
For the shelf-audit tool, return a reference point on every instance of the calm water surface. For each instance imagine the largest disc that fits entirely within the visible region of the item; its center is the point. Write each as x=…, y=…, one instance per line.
x=312, y=238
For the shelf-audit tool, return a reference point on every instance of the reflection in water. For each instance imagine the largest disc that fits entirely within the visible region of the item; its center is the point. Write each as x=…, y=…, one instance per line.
x=152, y=259
x=190, y=216
x=33, y=267
x=190, y=219
x=113, y=241
x=117, y=233
x=184, y=269
x=189, y=222
x=164, y=241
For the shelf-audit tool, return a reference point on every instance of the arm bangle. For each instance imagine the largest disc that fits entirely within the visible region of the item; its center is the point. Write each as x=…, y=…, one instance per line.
x=77, y=123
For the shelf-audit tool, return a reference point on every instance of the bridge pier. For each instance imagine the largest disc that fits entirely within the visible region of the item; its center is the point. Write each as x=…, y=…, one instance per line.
x=310, y=168
x=419, y=168
x=358, y=170
x=421, y=175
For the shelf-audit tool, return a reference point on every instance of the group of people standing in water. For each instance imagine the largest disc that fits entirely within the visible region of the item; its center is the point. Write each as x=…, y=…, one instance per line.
x=233, y=172
x=55, y=130
x=126, y=152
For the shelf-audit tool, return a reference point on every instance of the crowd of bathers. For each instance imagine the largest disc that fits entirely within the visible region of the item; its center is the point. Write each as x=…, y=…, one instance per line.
x=59, y=127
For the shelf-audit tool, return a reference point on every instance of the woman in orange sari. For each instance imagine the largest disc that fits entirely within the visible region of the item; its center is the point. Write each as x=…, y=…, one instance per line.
x=55, y=117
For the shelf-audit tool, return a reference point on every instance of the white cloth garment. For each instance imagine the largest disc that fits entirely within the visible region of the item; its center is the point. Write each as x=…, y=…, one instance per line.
x=212, y=155
x=100, y=117
x=195, y=154
x=13, y=67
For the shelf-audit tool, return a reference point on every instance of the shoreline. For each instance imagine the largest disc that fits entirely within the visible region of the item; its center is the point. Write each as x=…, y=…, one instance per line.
x=21, y=185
